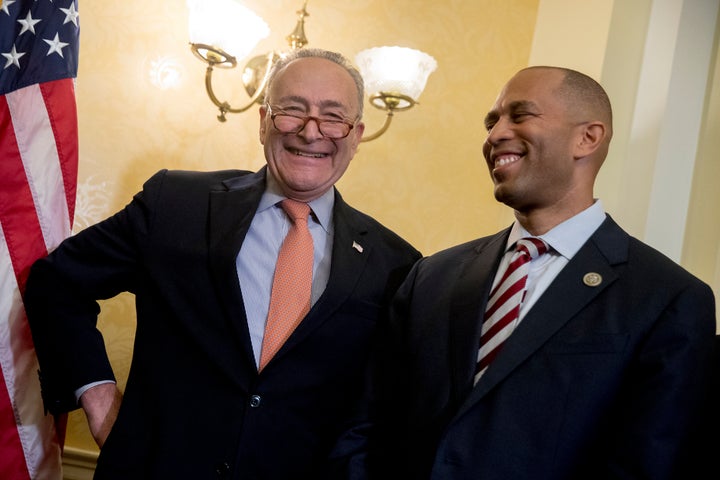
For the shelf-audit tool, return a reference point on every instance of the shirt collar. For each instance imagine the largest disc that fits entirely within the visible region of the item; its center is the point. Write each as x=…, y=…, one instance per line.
x=569, y=236
x=322, y=206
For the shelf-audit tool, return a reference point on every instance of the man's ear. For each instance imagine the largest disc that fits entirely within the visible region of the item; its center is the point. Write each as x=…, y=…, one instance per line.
x=357, y=133
x=263, y=125
x=592, y=135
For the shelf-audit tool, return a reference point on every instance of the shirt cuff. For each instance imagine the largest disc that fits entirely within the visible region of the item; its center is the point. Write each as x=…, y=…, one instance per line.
x=85, y=388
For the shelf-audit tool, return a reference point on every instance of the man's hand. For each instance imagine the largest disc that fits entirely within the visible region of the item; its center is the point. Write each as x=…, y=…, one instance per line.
x=101, y=405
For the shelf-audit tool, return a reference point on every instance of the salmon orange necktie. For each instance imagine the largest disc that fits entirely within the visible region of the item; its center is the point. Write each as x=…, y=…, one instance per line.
x=292, y=283
x=503, y=307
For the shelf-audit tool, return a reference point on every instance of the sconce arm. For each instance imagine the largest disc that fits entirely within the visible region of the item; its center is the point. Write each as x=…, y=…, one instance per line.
x=390, y=102
x=225, y=107
x=383, y=129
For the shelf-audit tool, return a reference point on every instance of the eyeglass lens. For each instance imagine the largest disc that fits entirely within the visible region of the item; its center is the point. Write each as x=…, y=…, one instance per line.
x=293, y=124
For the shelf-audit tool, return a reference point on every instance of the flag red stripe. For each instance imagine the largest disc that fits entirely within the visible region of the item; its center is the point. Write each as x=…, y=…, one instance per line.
x=12, y=456
x=59, y=99
x=17, y=208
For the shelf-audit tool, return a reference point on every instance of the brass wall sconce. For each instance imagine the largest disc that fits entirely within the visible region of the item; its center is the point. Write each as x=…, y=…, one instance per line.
x=221, y=31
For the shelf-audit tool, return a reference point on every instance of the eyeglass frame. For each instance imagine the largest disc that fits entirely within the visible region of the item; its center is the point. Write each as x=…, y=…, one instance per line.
x=305, y=119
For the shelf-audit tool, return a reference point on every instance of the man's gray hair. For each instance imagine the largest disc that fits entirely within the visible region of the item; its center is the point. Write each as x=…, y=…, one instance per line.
x=334, y=57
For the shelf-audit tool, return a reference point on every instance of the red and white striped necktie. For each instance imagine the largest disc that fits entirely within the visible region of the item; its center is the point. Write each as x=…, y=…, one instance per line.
x=503, y=307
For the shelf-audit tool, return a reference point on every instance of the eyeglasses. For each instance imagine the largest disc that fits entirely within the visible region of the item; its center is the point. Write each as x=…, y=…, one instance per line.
x=286, y=123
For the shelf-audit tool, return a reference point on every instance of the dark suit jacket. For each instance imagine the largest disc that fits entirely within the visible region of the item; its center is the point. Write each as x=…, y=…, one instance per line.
x=598, y=381
x=195, y=406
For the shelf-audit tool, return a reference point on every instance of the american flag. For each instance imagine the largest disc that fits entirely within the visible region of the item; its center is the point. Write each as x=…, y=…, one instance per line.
x=38, y=178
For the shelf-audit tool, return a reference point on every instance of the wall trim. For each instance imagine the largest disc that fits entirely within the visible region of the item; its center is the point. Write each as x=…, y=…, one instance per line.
x=78, y=464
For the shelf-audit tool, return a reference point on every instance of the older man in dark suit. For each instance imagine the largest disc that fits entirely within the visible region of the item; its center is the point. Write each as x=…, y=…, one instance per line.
x=207, y=395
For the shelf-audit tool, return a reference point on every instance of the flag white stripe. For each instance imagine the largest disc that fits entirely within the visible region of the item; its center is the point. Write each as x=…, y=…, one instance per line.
x=42, y=165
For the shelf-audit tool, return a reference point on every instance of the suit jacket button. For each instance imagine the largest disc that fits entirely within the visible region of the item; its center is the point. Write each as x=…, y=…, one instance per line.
x=255, y=401
x=222, y=469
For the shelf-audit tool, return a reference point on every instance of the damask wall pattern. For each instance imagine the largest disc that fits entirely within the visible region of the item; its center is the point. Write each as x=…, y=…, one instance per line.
x=142, y=107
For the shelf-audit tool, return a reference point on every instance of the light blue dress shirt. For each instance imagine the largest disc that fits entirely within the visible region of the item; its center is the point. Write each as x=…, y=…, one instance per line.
x=256, y=261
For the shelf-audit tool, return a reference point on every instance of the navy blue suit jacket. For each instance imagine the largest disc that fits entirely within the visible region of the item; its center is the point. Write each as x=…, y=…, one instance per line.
x=195, y=406
x=598, y=381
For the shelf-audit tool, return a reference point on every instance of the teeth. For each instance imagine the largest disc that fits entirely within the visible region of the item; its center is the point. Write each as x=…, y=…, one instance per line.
x=506, y=160
x=311, y=155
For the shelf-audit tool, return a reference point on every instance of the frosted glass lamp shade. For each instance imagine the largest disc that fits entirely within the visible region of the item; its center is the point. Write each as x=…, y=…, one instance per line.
x=227, y=25
x=397, y=70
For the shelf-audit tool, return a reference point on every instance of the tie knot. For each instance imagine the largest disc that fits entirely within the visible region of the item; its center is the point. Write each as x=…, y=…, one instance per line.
x=532, y=246
x=295, y=210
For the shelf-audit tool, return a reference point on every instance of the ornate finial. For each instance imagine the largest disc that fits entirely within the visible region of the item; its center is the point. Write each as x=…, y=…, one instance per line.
x=297, y=38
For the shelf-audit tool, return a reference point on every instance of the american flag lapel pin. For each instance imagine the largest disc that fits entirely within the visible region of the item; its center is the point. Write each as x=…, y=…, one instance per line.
x=357, y=246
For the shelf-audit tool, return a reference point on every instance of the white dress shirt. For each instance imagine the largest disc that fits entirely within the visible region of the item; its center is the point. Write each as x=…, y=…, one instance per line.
x=564, y=241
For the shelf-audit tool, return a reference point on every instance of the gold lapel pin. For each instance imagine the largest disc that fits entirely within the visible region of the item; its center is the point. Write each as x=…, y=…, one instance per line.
x=592, y=279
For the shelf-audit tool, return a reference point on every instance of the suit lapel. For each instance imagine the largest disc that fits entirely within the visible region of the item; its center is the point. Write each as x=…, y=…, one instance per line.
x=232, y=206
x=569, y=293
x=468, y=301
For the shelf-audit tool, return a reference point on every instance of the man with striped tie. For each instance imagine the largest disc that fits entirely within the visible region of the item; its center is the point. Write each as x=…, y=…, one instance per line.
x=558, y=348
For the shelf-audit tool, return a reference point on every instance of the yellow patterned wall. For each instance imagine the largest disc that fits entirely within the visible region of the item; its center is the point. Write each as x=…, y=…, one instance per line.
x=425, y=178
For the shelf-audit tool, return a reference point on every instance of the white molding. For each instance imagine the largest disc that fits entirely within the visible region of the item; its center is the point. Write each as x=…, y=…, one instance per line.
x=689, y=29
